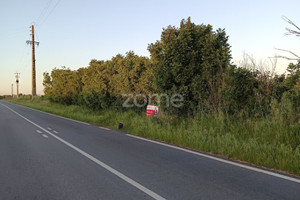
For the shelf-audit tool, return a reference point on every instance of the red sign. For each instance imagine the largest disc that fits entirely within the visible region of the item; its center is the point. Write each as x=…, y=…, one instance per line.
x=151, y=111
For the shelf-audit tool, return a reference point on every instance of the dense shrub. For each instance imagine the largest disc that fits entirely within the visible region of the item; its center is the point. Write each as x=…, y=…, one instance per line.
x=191, y=60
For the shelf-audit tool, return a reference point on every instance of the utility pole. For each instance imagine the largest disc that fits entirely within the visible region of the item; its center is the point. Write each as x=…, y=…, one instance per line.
x=12, y=90
x=33, y=62
x=17, y=83
x=32, y=43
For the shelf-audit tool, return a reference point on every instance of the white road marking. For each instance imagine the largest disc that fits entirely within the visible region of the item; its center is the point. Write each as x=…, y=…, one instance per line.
x=102, y=164
x=49, y=128
x=220, y=159
x=45, y=136
x=55, y=115
x=55, y=132
x=104, y=128
x=39, y=131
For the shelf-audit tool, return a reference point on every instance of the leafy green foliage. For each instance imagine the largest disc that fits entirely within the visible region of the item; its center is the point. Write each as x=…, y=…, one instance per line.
x=293, y=79
x=191, y=61
x=238, y=94
x=102, y=83
x=62, y=86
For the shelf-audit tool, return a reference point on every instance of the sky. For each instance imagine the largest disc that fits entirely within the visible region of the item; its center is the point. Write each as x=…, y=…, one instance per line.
x=72, y=32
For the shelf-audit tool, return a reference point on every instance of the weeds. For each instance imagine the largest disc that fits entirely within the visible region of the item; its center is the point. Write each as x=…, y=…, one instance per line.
x=264, y=142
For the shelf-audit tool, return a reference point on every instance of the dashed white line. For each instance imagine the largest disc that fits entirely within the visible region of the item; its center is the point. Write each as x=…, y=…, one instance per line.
x=55, y=132
x=100, y=163
x=220, y=159
x=104, y=128
x=39, y=131
x=49, y=128
x=45, y=136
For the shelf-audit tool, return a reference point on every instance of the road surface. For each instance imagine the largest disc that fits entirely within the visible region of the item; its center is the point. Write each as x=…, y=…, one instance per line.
x=44, y=156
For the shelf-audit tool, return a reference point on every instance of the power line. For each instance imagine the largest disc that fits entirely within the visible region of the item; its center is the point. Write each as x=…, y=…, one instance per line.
x=50, y=12
x=44, y=11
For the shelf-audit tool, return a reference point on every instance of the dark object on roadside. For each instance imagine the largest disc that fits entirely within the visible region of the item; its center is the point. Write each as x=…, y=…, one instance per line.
x=120, y=125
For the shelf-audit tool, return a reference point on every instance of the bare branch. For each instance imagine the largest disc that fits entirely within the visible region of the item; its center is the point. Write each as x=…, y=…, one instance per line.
x=292, y=32
x=290, y=22
x=287, y=58
x=298, y=57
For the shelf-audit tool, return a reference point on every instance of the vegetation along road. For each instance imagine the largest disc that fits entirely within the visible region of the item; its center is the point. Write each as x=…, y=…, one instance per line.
x=48, y=157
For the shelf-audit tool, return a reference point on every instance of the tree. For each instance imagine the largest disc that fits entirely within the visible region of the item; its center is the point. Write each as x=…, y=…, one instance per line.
x=238, y=94
x=95, y=90
x=191, y=61
x=48, y=84
x=293, y=78
x=63, y=85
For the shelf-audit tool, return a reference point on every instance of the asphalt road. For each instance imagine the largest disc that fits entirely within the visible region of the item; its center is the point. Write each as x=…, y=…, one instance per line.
x=44, y=156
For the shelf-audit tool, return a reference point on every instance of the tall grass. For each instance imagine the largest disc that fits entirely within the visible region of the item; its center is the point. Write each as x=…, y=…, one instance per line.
x=265, y=142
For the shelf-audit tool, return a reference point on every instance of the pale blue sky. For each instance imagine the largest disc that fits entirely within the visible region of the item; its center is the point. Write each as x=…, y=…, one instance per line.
x=71, y=33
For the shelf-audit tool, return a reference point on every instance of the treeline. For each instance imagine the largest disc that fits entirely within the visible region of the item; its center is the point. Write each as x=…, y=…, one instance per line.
x=102, y=83
x=191, y=60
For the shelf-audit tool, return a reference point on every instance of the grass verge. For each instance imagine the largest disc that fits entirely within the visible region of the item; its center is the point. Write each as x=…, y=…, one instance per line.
x=263, y=142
